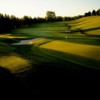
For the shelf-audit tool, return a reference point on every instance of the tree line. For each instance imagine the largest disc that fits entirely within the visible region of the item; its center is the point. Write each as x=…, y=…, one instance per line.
x=9, y=22
x=92, y=13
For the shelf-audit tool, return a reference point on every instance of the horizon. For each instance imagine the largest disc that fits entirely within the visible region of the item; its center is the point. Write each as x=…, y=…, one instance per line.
x=36, y=8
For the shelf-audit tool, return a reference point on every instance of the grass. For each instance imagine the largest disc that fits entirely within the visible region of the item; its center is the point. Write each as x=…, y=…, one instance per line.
x=8, y=57
x=45, y=30
x=51, y=63
x=10, y=36
x=73, y=48
x=14, y=63
x=53, y=49
x=71, y=51
x=91, y=25
x=11, y=60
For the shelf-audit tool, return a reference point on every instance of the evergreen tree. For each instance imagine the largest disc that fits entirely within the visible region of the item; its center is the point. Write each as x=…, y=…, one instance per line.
x=98, y=12
x=94, y=13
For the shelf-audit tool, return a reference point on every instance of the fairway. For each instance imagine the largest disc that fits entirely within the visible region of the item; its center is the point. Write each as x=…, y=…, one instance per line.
x=73, y=48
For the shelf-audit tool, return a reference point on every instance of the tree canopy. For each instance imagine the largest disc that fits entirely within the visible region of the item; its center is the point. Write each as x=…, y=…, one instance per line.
x=50, y=16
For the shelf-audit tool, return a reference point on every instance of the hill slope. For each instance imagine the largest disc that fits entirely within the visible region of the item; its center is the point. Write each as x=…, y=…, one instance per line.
x=53, y=47
x=91, y=25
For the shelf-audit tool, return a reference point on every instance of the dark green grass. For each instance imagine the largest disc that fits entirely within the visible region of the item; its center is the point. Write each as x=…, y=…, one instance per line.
x=5, y=49
x=85, y=40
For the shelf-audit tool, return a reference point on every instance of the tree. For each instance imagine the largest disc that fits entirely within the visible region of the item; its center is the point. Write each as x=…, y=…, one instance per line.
x=94, y=13
x=98, y=12
x=50, y=16
x=66, y=19
x=88, y=14
x=59, y=18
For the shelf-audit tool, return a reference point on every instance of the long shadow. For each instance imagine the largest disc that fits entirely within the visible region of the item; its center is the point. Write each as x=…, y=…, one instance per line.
x=43, y=43
x=68, y=26
x=89, y=41
x=83, y=31
x=49, y=83
x=10, y=86
x=90, y=29
x=8, y=40
x=52, y=81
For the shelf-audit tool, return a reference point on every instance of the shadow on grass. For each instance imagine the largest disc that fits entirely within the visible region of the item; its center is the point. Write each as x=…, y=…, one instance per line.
x=90, y=29
x=54, y=83
x=83, y=31
x=10, y=86
x=8, y=40
x=49, y=83
x=58, y=79
x=70, y=61
x=90, y=40
x=68, y=26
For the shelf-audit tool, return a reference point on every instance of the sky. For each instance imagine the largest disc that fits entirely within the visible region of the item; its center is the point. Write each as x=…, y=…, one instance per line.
x=38, y=8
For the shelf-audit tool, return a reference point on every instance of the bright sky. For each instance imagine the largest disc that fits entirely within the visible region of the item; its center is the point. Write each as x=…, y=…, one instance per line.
x=38, y=8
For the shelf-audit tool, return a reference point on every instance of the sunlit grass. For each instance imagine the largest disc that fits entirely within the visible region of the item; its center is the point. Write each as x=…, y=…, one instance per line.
x=89, y=51
x=85, y=20
x=10, y=36
x=82, y=54
x=89, y=23
x=94, y=32
x=14, y=62
x=41, y=41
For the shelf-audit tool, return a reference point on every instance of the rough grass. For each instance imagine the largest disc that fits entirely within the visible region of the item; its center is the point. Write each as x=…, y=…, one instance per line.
x=8, y=57
x=14, y=63
x=11, y=60
x=91, y=25
x=10, y=36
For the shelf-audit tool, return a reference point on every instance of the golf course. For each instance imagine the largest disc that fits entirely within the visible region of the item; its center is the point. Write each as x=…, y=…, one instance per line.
x=49, y=49
x=47, y=43
x=52, y=59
